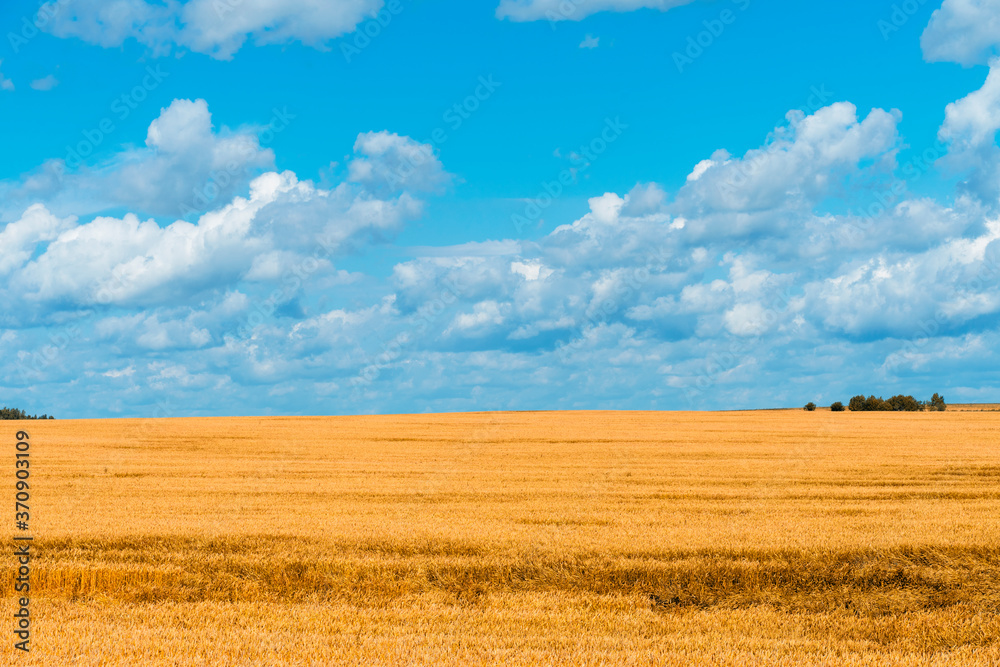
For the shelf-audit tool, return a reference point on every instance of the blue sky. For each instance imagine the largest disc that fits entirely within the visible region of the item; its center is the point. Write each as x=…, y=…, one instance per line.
x=261, y=207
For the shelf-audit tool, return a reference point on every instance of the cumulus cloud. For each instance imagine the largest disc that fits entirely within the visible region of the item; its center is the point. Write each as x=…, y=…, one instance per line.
x=650, y=298
x=804, y=162
x=149, y=333
x=388, y=162
x=639, y=275
x=19, y=239
x=133, y=262
x=963, y=31
x=185, y=167
x=972, y=121
x=218, y=28
x=575, y=10
x=970, y=129
x=255, y=233
x=941, y=289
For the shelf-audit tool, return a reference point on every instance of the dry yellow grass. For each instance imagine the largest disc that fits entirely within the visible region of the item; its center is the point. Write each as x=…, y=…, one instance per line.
x=779, y=538
x=975, y=407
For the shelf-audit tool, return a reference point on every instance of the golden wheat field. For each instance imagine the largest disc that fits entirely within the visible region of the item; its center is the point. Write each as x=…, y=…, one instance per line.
x=590, y=538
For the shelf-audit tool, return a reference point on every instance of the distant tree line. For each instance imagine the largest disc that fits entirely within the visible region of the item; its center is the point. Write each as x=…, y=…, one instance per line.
x=14, y=413
x=898, y=403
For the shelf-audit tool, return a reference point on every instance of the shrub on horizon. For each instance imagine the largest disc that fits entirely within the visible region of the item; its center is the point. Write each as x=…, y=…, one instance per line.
x=15, y=414
x=898, y=403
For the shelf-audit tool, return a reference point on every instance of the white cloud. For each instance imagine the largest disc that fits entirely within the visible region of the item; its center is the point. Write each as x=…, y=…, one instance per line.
x=963, y=31
x=748, y=319
x=484, y=315
x=703, y=166
x=645, y=300
x=218, y=28
x=644, y=199
x=129, y=261
x=946, y=286
x=120, y=373
x=615, y=230
x=804, y=160
x=157, y=332
x=387, y=162
x=5, y=83
x=632, y=260
x=531, y=270
x=575, y=10
x=590, y=42
x=265, y=236
x=47, y=83
x=973, y=120
x=970, y=129
x=19, y=239
x=185, y=167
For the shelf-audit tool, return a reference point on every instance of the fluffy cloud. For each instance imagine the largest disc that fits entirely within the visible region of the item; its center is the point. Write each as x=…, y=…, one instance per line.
x=973, y=121
x=575, y=10
x=807, y=160
x=940, y=290
x=391, y=163
x=279, y=229
x=19, y=239
x=128, y=261
x=963, y=31
x=649, y=299
x=970, y=129
x=185, y=167
x=637, y=282
x=215, y=27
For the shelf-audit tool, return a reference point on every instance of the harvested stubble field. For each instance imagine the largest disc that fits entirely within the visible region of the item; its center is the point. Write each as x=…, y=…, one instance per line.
x=777, y=538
